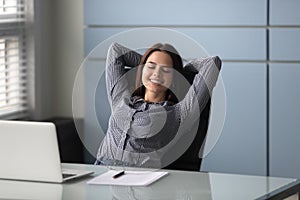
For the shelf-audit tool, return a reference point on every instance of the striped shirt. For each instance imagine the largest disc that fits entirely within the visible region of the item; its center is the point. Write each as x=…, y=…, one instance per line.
x=143, y=134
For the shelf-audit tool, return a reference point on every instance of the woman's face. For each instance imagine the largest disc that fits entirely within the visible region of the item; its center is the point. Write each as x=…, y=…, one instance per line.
x=157, y=73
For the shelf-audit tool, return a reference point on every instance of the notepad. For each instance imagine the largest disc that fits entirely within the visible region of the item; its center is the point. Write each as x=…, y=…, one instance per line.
x=130, y=178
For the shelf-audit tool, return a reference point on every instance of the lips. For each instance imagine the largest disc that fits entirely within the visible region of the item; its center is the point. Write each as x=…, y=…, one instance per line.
x=157, y=81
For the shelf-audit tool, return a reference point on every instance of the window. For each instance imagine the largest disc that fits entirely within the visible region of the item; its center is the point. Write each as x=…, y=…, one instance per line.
x=13, y=72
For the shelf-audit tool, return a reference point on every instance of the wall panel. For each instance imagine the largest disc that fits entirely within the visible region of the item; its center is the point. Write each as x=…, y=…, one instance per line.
x=284, y=12
x=285, y=44
x=176, y=12
x=241, y=147
x=285, y=120
x=228, y=43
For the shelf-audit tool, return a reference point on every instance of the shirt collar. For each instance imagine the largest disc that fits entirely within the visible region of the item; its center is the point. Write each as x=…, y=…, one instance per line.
x=137, y=99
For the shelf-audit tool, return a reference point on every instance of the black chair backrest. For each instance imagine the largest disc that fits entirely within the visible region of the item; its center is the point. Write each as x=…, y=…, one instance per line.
x=190, y=159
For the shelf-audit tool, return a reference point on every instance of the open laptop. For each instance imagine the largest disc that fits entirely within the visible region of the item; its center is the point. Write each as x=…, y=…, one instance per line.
x=29, y=151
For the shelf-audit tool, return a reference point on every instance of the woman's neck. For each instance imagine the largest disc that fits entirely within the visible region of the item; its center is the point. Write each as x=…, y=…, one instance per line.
x=155, y=98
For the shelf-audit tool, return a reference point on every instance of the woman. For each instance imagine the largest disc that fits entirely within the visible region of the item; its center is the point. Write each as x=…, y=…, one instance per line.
x=150, y=123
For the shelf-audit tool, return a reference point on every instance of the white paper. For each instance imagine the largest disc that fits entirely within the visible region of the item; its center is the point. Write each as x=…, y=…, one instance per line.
x=130, y=178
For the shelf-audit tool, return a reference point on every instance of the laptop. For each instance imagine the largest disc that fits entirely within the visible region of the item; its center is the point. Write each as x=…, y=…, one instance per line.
x=29, y=151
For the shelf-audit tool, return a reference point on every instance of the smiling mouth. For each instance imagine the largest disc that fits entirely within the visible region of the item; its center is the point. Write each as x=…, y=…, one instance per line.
x=156, y=81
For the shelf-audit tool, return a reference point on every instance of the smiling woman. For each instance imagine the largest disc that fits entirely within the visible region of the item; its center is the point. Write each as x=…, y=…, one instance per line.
x=151, y=125
x=155, y=73
x=157, y=76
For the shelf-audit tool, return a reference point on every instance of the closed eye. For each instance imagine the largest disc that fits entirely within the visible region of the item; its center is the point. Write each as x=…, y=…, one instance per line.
x=167, y=69
x=150, y=65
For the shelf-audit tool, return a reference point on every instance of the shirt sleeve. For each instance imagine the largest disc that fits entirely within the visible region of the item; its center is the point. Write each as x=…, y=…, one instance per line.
x=118, y=58
x=202, y=86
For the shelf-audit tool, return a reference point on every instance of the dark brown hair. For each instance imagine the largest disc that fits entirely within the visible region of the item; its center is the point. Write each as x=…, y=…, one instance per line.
x=177, y=65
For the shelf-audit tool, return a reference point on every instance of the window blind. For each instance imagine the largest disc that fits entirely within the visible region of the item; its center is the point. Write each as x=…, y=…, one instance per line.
x=13, y=72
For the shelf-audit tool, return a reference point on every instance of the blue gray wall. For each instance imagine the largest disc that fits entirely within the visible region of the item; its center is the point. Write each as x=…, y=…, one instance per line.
x=259, y=44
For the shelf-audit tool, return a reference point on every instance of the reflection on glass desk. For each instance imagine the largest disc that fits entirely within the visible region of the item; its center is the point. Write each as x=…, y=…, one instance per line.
x=178, y=185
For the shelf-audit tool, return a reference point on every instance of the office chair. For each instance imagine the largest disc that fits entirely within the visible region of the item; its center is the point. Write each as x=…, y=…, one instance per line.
x=190, y=160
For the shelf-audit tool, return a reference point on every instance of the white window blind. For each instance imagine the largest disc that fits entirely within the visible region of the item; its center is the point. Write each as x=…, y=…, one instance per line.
x=13, y=73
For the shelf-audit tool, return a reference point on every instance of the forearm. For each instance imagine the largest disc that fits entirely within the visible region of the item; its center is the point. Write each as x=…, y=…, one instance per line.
x=208, y=72
x=117, y=58
x=202, y=86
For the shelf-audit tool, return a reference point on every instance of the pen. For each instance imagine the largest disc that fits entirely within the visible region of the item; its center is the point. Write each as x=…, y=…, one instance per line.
x=119, y=174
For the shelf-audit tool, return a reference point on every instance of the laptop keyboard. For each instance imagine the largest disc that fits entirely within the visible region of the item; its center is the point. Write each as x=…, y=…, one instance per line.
x=67, y=175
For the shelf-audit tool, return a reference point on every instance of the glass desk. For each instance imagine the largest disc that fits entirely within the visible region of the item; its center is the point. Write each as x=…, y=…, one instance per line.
x=177, y=185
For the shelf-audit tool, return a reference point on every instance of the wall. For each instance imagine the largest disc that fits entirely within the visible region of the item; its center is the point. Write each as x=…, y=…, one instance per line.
x=233, y=29
x=59, y=53
x=43, y=60
x=284, y=90
x=68, y=53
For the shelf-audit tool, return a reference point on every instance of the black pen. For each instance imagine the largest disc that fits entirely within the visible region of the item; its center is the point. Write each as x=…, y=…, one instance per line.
x=119, y=174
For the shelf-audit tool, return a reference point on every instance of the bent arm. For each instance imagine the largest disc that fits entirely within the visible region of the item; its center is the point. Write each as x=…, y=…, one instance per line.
x=201, y=89
x=117, y=58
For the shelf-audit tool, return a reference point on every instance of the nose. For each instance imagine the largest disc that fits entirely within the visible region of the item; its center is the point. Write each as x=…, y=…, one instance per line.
x=157, y=71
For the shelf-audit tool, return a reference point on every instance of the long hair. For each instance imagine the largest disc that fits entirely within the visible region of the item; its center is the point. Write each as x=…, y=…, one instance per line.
x=177, y=66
